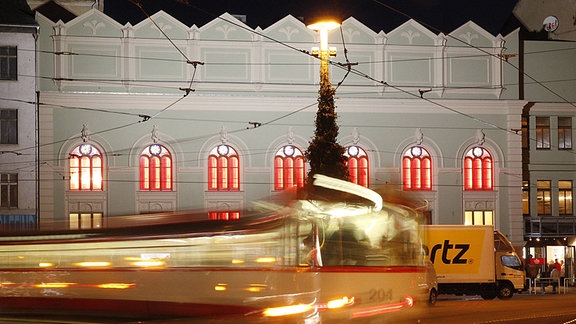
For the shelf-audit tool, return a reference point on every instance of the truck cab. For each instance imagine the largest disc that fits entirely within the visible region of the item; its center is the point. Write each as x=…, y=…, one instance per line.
x=510, y=274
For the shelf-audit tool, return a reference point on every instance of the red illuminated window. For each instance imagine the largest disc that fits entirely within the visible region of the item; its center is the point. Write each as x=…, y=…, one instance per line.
x=358, y=165
x=85, y=168
x=416, y=169
x=289, y=168
x=223, y=169
x=478, y=170
x=224, y=215
x=155, y=169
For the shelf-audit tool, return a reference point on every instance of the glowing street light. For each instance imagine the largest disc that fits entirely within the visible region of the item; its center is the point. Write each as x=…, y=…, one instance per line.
x=324, y=153
x=324, y=52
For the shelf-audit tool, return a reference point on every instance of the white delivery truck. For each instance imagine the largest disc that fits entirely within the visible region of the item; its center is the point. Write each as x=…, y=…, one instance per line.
x=474, y=260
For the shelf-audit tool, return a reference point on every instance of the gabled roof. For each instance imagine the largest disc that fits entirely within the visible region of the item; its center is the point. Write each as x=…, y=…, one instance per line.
x=55, y=12
x=444, y=16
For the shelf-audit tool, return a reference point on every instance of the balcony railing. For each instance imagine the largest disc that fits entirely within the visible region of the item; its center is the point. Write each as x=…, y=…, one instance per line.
x=549, y=226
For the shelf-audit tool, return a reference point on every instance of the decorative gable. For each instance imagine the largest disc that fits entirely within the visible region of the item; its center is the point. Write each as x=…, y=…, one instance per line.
x=161, y=23
x=289, y=29
x=93, y=23
x=357, y=33
x=412, y=33
x=471, y=34
x=226, y=27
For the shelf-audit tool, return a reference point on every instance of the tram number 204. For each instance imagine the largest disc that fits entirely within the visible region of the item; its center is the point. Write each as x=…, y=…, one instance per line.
x=380, y=295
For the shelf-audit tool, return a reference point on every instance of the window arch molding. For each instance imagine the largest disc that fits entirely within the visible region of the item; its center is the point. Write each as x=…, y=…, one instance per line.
x=97, y=141
x=431, y=146
x=235, y=142
x=168, y=142
x=369, y=146
x=497, y=154
x=498, y=159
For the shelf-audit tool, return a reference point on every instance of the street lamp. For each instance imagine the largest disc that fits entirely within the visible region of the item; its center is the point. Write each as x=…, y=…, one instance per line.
x=325, y=52
x=324, y=154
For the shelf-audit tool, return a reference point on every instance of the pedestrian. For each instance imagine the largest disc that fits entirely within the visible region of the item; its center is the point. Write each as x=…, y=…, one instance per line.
x=555, y=279
x=530, y=273
x=545, y=276
x=562, y=272
x=557, y=265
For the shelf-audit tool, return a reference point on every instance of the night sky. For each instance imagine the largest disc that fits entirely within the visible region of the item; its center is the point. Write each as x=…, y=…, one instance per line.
x=380, y=15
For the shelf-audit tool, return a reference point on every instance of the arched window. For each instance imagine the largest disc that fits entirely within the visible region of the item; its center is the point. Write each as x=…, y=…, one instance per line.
x=358, y=165
x=478, y=169
x=85, y=168
x=289, y=168
x=155, y=169
x=416, y=169
x=223, y=169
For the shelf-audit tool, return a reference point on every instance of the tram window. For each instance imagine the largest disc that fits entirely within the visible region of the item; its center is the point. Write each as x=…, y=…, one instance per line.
x=347, y=245
x=373, y=239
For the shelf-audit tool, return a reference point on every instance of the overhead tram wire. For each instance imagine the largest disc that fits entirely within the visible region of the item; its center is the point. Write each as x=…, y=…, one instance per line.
x=356, y=72
x=195, y=64
x=350, y=70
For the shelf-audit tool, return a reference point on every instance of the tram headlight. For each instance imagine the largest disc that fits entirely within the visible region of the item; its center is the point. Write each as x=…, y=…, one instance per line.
x=45, y=264
x=340, y=302
x=93, y=264
x=287, y=310
x=149, y=263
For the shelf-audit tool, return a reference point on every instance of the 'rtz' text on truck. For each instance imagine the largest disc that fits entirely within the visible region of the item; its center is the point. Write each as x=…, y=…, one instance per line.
x=474, y=260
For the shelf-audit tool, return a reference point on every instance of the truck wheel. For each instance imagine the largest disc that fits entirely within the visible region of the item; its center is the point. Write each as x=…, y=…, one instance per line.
x=433, y=297
x=488, y=292
x=505, y=291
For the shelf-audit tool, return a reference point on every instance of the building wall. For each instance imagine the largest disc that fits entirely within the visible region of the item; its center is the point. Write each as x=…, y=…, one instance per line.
x=20, y=94
x=550, y=71
x=118, y=86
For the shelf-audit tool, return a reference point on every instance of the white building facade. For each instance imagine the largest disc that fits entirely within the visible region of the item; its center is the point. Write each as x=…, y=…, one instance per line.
x=18, y=120
x=160, y=116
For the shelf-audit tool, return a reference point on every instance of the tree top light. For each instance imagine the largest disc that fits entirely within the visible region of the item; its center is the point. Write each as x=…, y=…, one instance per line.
x=324, y=25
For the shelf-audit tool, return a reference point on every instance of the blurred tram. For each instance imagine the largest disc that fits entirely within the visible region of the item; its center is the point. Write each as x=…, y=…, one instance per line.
x=303, y=261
